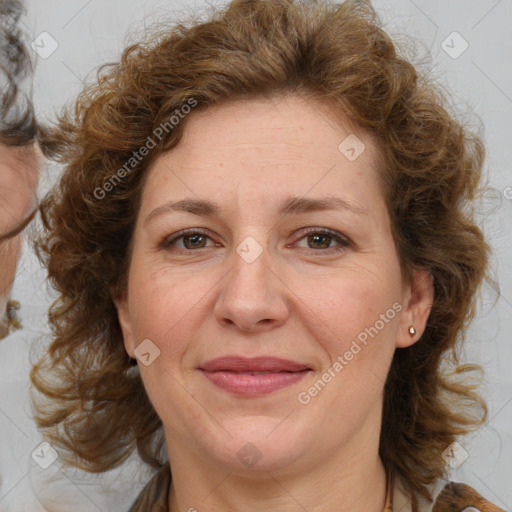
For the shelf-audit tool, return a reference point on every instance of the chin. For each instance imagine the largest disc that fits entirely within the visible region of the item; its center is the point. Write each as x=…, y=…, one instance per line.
x=259, y=443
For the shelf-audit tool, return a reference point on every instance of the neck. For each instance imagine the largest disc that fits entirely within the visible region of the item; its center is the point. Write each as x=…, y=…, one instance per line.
x=354, y=482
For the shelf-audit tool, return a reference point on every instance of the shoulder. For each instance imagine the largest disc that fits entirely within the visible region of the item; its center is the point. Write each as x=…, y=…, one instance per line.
x=154, y=496
x=456, y=497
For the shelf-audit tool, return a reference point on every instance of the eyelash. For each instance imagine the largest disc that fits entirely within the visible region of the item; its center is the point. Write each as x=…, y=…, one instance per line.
x=342, y=241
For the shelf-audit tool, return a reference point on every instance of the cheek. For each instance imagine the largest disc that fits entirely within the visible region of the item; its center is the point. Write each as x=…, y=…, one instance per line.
x=351, y=306
x=165, y=306
x=355, y=324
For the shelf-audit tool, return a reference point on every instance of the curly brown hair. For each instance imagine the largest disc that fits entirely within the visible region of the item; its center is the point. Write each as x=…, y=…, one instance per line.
x=96, y=407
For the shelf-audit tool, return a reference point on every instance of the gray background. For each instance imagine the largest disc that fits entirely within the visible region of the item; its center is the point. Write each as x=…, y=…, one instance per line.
x=89, y=33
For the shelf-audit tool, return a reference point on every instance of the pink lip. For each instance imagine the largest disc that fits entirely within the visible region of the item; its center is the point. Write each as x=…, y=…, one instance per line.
x=238, y=375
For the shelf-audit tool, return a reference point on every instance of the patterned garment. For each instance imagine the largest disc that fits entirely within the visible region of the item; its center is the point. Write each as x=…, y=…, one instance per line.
x=453, y=497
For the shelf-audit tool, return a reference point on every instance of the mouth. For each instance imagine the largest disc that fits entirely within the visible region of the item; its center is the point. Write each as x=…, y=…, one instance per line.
x=253, y=376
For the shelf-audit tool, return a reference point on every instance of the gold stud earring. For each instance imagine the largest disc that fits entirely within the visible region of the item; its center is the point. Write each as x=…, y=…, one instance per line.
x=412, y=331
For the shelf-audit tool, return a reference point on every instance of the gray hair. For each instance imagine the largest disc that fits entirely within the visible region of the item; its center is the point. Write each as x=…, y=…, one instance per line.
x=17, y=119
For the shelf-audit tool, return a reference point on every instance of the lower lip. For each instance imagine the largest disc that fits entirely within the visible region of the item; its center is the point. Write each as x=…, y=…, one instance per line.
x=253, y=385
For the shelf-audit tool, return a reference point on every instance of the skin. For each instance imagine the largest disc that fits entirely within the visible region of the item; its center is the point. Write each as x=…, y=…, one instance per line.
x=301, y=299
x=18, y=200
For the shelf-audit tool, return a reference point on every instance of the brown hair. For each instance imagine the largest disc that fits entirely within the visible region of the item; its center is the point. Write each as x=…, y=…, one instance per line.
x=96, y=406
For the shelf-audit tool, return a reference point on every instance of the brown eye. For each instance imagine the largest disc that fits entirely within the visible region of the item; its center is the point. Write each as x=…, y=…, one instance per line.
x=319, y=241
x=323, y=240
x=196, y=241
x=187, y=241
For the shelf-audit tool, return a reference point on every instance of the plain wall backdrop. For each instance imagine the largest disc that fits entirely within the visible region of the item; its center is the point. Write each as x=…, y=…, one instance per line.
x=466, y=45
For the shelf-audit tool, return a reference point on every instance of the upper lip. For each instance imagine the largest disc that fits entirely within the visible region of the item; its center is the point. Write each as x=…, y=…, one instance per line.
x=254, y=364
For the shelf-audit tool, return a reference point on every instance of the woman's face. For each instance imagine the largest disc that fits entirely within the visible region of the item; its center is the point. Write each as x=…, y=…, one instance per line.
x=265, y=298
x=18, y=183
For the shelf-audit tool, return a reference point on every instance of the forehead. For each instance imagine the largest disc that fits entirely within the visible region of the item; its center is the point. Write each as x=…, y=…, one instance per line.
x=290, y=120
x=263, y=142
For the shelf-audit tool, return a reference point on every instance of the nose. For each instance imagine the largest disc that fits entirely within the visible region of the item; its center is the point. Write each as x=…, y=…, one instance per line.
x=253, y=297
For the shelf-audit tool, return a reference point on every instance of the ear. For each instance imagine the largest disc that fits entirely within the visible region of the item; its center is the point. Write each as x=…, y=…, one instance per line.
x=418, y=300
x=123, y=315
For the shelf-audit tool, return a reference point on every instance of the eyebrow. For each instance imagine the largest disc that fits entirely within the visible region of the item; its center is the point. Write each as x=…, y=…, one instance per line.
x=291, y=206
